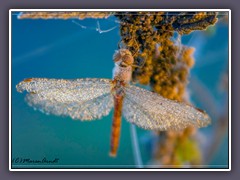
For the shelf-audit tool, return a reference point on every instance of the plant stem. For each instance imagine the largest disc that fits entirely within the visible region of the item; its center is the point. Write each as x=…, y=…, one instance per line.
x=135, y=147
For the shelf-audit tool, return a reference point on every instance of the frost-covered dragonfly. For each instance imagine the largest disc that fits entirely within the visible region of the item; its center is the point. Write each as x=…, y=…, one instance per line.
x=92, y=98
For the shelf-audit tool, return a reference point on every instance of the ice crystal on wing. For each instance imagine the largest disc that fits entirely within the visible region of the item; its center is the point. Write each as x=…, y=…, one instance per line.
x=84, y=99
x=151, y=111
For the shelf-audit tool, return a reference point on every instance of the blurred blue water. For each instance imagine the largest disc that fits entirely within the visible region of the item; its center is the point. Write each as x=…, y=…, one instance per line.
x=62, y=49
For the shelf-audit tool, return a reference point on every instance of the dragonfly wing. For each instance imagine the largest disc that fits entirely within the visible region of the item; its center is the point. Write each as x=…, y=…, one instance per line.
x=84, y=99
x=149, y=110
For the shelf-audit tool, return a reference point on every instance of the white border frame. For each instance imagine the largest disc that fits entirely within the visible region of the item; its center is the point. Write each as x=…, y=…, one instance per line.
x=104, y=10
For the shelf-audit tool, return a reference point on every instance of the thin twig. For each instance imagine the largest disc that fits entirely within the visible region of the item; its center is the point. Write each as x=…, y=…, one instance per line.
x=135, y=146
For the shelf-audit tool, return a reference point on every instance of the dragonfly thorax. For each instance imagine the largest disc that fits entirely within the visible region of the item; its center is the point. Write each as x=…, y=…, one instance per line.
x=123, y=65
x=122, y=73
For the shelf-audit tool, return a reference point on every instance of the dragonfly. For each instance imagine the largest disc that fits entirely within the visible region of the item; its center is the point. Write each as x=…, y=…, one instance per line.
x=89, y=99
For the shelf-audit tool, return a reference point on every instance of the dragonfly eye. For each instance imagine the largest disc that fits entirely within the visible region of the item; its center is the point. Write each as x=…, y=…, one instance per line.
x=123, y=55
x=117, y=56
x=128, y=60
x=123, y=64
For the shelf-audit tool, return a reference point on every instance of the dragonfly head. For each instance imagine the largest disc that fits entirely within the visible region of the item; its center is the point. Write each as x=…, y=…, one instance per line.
x=123, y=57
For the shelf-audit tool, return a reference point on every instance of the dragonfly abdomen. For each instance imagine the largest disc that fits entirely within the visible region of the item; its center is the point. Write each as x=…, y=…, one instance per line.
x=116, y=124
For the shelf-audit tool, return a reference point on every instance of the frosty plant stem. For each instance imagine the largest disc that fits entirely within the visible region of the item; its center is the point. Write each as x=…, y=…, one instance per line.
x=135, y=147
